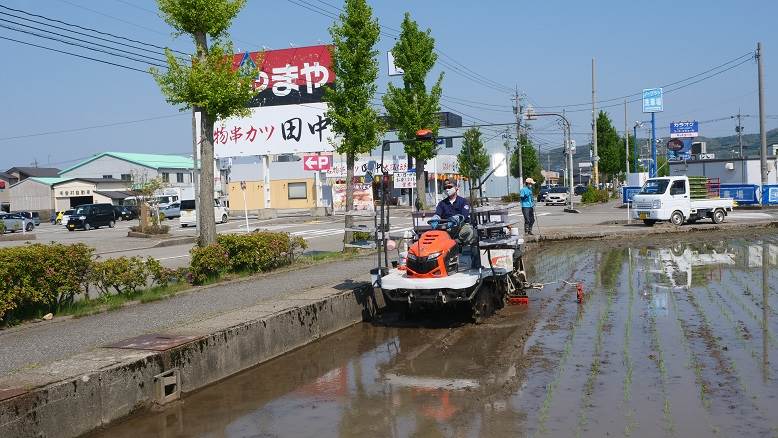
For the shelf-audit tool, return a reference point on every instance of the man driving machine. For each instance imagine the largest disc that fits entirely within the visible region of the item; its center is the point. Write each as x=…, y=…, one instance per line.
x=456, y=205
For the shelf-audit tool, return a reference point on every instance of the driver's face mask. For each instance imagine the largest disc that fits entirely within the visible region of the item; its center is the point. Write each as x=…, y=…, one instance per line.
x=450, y=190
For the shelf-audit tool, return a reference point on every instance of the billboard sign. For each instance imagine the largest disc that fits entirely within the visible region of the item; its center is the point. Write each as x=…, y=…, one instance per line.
x=684, y=129
x=287, y=76
x=652, y=100
x=363, y=197
x=274, y=130
x=393, y=69
x=679, y=149
x=317, y=162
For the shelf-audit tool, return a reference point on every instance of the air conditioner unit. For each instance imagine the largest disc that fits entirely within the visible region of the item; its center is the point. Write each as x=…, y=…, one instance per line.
x=699, y=147
x=774, y=148
x=730, y=166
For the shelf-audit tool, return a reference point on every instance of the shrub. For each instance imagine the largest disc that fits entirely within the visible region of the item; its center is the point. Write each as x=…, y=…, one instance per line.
x=41, y=278
x=123, y=275
x=511, y=197
x=363, y=235
x=260, y=251
x=161, y=275
x=593, y=195
x=151, y=229
x=208, y=263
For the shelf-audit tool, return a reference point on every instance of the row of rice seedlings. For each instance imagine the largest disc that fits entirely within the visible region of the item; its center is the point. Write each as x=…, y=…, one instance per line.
x=692, y=361
x=594, y=369
x=660, y=360
x=727, y=314
x=561, y=367
x=627, y=358
x=753, y=296
x=754, y=316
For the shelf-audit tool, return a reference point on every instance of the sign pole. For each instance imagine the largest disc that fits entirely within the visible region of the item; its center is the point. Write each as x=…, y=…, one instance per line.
x=245, y=206
x=653, y=145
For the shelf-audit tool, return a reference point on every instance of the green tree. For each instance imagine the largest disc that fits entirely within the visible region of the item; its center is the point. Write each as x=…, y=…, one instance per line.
x=412, y=107
x=530, y=162
x=473, y=160
x=354, y=62
x=207, y=84
x=610, y=147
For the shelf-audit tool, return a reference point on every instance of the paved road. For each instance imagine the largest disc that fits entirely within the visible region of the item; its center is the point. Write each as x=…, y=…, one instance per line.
x=46, y=342
x=324, y=234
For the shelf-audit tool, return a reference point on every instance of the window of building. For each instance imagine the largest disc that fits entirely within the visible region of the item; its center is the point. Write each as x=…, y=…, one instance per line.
x=298, y=190
x=126, y=177
x=107, y=176
x=180, y=177
x=165, y=177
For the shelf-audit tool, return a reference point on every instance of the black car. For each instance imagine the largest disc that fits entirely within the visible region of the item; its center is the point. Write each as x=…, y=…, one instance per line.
x=124, y=213
x=579, y=190
x=92, y=216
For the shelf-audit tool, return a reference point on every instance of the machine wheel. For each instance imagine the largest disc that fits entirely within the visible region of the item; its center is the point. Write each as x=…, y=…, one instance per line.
x=649, y=222
x=718, y=216
x=676, y=218
x=483, y=305
x=111, y=224
x=224, y=219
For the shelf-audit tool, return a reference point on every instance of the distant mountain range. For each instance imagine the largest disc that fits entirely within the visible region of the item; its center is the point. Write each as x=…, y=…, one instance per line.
x=722, y=147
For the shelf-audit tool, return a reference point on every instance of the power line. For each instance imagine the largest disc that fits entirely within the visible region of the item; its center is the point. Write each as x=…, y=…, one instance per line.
x=154, y=51
x=86, y=128
x=80, y=40
x=74, y=54
x=748, y=55
x=90, y=29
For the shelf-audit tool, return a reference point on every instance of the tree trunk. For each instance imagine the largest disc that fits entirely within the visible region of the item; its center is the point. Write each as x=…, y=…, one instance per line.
x=349, y=221
x=421, y=184
x=207, y=224
x=207, y=221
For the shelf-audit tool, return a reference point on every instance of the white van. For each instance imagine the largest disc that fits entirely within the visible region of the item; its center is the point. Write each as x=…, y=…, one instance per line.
x=189, y=215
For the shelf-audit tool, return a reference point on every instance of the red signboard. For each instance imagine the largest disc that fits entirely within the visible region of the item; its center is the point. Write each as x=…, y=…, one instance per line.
x=288, y=76
x=317, y=162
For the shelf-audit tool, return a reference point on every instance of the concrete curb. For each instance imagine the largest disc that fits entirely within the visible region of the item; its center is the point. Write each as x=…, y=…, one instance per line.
x=14, y=237
x=73, y=396
x=161, y=244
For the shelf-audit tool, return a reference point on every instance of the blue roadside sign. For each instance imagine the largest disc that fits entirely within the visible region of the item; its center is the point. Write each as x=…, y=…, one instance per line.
x=684, y=129
x=652, y=100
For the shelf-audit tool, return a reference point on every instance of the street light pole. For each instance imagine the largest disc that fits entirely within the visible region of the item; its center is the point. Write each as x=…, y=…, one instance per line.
x=568, y=151
x=762, y=132
x=652, y=174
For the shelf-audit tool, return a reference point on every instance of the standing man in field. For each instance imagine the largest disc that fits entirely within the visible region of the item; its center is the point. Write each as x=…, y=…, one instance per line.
x=528, y=205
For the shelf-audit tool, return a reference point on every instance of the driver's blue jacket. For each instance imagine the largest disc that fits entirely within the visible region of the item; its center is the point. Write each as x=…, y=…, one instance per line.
x=446, y=208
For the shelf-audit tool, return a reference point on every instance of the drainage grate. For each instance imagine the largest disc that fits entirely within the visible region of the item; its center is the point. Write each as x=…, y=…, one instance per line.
x=167, y=387
x=154, y=342
x=8, y=393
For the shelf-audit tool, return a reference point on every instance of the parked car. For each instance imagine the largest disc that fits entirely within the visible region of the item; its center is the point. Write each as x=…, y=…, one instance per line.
x=172, y=210
x=92, y=216
x=14, y=222
x=557, y=196
x=31, y=215
x=188, y=216
x=124, y=213
x=542, y=193
x=579, y=190
x=66, y=217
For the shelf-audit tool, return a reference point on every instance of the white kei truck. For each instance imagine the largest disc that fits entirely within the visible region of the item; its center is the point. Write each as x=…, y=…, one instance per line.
x=680, y=199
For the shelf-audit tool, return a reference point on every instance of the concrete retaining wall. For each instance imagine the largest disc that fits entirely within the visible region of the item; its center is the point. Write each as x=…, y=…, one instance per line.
x=79, y=394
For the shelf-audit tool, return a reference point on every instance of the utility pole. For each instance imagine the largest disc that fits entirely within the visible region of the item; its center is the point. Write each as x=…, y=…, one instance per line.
x=762, y=132
x=518, y=110
x=195, y=169
x=507, y=145
x=548, y=164
x=595, y=158
x=739, y=130
x=626, y=142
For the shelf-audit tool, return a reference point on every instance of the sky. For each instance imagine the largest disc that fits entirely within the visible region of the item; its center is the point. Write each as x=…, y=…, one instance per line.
x=543, y=49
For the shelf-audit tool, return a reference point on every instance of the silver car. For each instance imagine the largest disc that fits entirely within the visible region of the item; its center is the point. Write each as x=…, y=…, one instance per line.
x=15, y=222
x=172, y=210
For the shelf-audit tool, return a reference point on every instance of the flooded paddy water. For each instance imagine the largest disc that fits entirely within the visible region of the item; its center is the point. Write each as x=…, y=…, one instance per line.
x=674, y=338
